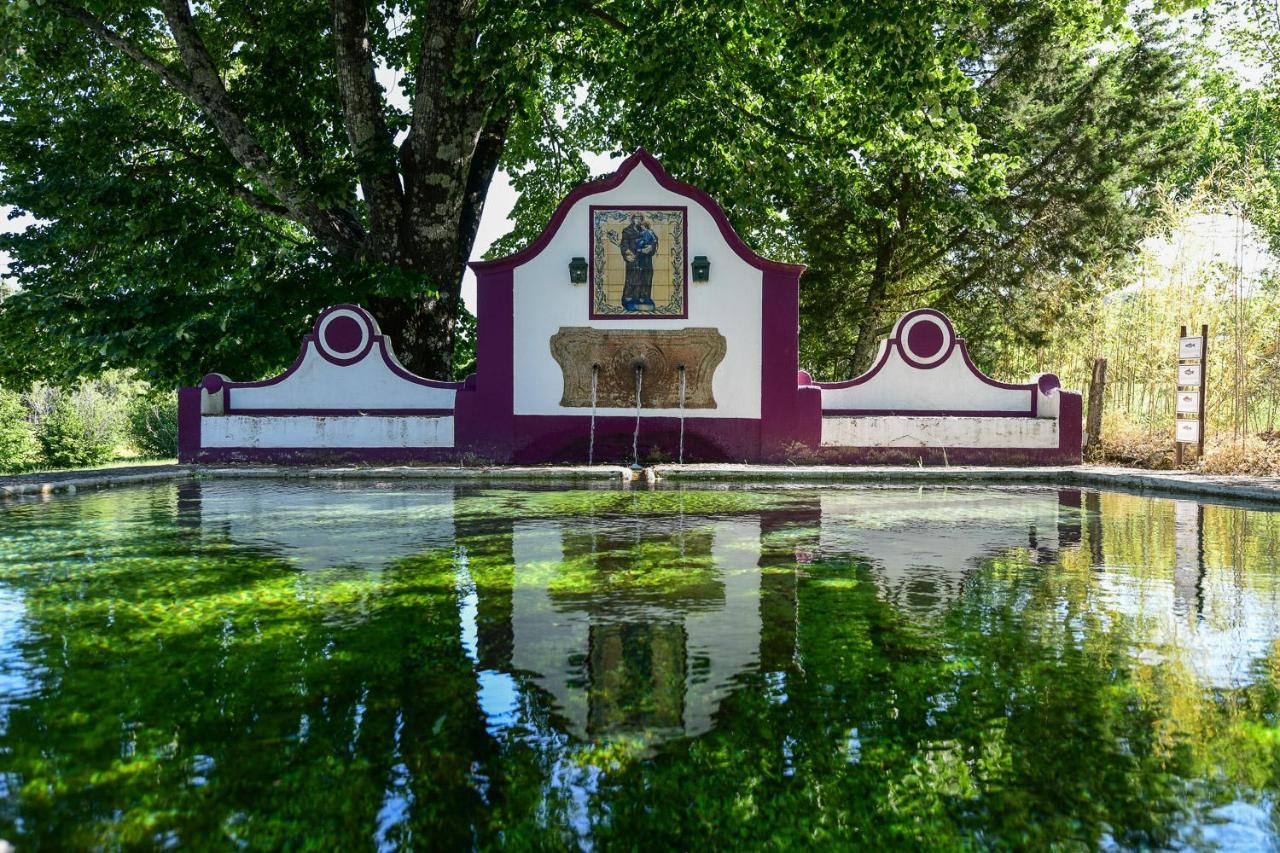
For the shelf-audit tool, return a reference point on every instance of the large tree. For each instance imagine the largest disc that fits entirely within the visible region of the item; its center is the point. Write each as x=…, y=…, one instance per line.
x=205, y=177
x=977, y=156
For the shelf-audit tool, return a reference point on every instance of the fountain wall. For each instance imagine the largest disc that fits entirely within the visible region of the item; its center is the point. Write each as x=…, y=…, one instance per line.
x=637, y=327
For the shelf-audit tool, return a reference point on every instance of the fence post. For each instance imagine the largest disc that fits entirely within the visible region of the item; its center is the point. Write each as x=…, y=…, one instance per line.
x=1093, y=422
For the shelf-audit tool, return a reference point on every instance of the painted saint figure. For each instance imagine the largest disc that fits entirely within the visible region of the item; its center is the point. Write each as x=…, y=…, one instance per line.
x=638, y=245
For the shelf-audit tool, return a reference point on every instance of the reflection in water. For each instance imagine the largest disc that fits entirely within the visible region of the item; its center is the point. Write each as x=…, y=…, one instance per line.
x=398, y=666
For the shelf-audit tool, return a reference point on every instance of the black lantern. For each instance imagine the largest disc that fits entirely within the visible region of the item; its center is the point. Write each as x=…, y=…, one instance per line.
x=578, y=271
x=701, y=268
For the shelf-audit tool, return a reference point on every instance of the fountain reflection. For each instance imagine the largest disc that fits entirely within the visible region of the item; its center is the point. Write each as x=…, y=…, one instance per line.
x=644, y=623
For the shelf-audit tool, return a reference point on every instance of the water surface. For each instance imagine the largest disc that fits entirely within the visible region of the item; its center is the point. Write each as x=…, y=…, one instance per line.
x=386, y=665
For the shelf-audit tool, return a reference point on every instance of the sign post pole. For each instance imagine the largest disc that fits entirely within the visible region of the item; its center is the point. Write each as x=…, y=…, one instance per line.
x=1177, y=443
x=1204, y=367
x=1189, y=392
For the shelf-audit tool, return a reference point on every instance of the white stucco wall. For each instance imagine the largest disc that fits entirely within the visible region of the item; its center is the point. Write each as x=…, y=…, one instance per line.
x=326, y=431
x=545, y=301
x=315, y=526
x=943, y=431
x=552, y=639
x=320, y=384
x=950, y=386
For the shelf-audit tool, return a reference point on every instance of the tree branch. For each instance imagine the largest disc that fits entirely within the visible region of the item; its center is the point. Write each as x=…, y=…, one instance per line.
x=484, y=162
x=337, y=229
x=203, y=86
x=109, y=36
x=362, y=113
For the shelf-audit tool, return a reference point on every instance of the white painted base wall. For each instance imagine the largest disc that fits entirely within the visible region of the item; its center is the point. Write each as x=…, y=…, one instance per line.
x=950, y=431
x=326, y=431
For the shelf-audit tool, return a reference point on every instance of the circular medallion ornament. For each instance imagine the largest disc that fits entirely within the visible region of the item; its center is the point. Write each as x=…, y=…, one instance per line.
x=925, y=338
x=344, y=334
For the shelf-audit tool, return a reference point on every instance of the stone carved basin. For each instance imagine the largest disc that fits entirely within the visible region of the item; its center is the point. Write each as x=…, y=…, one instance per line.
x=618, y=352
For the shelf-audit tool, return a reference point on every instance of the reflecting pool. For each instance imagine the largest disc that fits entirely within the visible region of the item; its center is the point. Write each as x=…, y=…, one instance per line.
x=389, y=665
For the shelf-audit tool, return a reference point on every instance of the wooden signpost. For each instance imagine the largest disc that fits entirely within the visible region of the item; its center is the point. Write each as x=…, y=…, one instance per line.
x=1193, y=356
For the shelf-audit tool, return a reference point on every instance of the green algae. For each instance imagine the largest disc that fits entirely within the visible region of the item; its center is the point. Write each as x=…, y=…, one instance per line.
x=297, y=665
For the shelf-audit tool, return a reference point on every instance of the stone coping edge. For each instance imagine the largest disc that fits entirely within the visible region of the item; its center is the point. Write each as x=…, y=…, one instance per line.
x=1240, y=487
x=1237, y=487
x=532, y=473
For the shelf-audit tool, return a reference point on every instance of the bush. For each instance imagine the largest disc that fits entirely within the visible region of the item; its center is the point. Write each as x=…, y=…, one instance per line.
x=1258, y=455
x=153, y=425
x=67, y=440
x=18, y=447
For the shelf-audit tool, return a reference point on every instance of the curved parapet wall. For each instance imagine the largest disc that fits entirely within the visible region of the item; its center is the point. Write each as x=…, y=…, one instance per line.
x=345, y=397
x=923, y=399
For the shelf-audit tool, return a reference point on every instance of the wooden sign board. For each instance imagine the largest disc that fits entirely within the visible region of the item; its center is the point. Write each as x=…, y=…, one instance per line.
x=1191, y=347
x=1189, y=374
x=1188, y=402
x=1188, y=431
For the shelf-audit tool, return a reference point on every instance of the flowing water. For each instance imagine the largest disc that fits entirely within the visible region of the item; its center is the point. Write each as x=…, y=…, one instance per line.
x=591, y=439
x=291, y=664
x=680, y=457
x=635, y=437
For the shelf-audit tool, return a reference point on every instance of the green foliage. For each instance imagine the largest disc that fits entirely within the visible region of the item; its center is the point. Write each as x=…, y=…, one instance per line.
x=194, y=214
x=981, y=157
x=464, y=350
x=68, y=440
x=153, y=425
x=18, y=447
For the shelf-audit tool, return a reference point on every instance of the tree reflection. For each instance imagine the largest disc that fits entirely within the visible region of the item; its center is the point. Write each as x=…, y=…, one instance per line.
x=1017, y=668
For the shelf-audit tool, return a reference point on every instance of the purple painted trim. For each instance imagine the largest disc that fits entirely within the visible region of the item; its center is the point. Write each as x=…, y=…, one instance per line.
x=393, y=363
x=894, y=342
x=1048, y=382
x=563, y=438
x=336, y=413
x=938, y=413
x=188, y=424
x=789, y=414
x=383, y=348
x=370, y=327
x=591, y=262
x=485, y=409
x=376, y=338
x=904, y=348
x=640, y=157
x=994, y=383
x=213, y=382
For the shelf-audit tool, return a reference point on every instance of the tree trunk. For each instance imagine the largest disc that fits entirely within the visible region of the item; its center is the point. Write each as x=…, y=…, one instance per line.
x=868, y=325
x=885, y=271
x=422, y=331
x=1093, y=421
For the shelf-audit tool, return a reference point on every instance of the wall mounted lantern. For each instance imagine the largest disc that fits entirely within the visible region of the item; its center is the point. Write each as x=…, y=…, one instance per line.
x=701, y=268
x=578, y=271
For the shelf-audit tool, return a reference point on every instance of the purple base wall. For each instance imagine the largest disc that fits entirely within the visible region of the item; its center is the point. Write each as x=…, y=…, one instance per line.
x=565, y=439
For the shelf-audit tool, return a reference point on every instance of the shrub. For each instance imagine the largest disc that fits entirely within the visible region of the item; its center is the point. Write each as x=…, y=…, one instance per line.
x=67, y=440
x=18, y=447
x=153, y=425
x=1257, y=455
